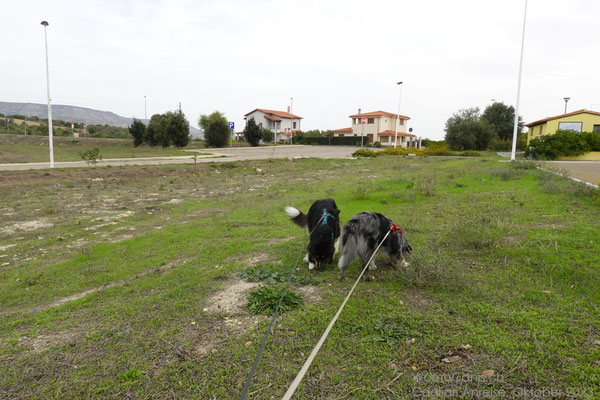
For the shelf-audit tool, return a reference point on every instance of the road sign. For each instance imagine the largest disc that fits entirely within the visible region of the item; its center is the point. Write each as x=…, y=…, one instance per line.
x=231, y=125
x=363, y=120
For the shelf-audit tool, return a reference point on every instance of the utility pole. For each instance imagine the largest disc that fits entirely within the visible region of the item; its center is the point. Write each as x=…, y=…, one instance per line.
x=145, y=113
x=516, y=126
x=45, y=23
x=292, y=122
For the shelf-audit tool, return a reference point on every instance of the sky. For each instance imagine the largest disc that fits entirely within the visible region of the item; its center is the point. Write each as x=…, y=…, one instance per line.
x=331, y=57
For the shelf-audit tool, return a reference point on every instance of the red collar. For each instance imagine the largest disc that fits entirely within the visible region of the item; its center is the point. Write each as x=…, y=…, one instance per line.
x=396, y=229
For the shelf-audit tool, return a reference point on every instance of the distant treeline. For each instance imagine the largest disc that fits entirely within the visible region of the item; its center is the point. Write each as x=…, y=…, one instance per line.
x=60, y=128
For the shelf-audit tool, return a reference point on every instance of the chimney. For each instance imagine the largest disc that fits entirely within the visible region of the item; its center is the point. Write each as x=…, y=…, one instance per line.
x=289, y=110
x=359, y=110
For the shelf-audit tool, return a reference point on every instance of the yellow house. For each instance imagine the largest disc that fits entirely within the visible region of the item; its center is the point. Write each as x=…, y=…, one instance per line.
x=578, y=121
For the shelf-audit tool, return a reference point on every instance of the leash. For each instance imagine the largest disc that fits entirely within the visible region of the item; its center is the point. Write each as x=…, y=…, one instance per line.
x=312, y=355
x=273, y=318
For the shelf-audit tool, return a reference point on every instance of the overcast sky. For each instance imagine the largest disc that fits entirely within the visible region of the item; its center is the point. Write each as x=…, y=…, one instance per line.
x=332, y=57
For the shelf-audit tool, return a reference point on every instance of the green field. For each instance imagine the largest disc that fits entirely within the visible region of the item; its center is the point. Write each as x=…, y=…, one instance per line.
x=125, y=282
x=26, y=149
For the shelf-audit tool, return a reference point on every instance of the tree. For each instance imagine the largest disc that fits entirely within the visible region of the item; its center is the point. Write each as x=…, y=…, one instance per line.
x=501, y=118
x=178, y=129
x=252, y=132
x=267, y=135
x=216, y=130
x=155, y=129
x=465, y=130
x=138, y=131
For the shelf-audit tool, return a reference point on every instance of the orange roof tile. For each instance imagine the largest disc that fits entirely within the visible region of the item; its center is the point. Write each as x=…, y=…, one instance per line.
x=342, y=130
x=378, y=114
x=267, y=116
x=280, y=114
x=541, y=121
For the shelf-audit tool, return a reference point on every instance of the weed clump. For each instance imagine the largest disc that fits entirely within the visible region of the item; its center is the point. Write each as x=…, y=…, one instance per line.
x=264, y=300
x=271, y=274
x=361, y=192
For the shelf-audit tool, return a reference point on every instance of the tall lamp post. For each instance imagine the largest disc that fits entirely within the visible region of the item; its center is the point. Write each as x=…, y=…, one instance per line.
x=398, y=119
x=566, y=99
x=516, y=126
x=45, y=23
x=292, y=122
x=145, y=112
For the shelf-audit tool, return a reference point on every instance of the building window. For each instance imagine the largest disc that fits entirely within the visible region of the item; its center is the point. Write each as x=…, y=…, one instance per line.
x=370, y=120
x=570, y=126
x=294, y=124
x=596, y=128
x=401, y=121
x=341, y=135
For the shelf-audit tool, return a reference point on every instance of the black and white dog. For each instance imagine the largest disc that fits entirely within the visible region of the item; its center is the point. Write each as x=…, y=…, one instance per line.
x=323, y=220
x=361, y=236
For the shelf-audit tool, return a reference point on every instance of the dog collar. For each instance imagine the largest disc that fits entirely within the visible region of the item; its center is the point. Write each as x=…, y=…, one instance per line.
x=325, y=215
x=396, y=229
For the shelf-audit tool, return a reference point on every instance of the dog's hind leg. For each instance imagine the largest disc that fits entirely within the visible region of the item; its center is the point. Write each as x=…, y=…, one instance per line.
x=348, y=254
x=336, y=245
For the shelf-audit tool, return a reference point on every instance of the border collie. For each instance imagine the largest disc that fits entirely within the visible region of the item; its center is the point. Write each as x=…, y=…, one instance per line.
x=323, y=220
x=361, y=236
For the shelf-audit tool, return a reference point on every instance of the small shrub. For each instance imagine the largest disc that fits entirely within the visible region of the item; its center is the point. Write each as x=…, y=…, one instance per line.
x=91, y=157
x=264, y=300
x=271, y=274
x=524, y=165
x=361, y=192
x=364, y=153
x=470, y=153
x=426, y=186
x=377, y=144
x=437, y=150
x=387, y=333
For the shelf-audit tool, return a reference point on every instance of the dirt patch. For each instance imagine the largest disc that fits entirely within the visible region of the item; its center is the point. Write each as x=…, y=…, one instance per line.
x=258, y=259
x=27, y=226
x=310, y=294
x=44, y=342
x=280, y=240
x=232, y=298
x=77, y=296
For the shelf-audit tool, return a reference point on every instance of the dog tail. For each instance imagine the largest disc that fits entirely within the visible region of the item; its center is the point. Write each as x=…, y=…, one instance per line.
x=349, y=242
x=297, y=216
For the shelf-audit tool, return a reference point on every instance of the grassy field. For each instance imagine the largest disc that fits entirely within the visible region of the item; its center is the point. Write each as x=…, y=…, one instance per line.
x=24, y=149
x=131, y=282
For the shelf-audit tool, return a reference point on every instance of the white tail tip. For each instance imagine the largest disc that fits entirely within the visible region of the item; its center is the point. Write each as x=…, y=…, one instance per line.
x=292, y=212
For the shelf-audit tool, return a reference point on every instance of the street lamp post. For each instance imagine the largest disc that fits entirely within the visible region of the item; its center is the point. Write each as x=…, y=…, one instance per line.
x=566, y=99
x=516, y=126
x=145, y=112
x=398, y=119
x=292, y=122
x=45, y=23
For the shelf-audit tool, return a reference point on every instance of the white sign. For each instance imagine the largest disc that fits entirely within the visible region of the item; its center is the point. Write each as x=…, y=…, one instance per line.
x=363, y=120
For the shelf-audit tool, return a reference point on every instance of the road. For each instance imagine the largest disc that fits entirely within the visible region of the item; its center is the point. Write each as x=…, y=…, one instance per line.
x=219, y=155
x=588, y=171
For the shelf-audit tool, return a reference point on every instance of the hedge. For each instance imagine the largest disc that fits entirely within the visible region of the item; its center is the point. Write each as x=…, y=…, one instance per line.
x=563, y=144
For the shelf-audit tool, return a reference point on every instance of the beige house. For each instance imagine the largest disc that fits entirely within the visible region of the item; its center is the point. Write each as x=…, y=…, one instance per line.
x=380, y=127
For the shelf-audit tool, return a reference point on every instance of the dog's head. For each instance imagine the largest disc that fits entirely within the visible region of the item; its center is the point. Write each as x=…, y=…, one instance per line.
x=399, y=243
x=321, y=248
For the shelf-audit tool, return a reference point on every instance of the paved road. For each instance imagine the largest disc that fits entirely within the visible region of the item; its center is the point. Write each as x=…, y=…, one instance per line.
x=588, y=171
x=235, y=154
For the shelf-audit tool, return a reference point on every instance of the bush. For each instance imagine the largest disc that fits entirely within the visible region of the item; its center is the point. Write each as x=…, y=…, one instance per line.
x=470, y=153
x=377, y=144
x=561, y=144
x=264, y=300
x=216, y=129
x=91, y=156
x=438, y=149
x=364, y=153
x=267, y=135
x=334, y=141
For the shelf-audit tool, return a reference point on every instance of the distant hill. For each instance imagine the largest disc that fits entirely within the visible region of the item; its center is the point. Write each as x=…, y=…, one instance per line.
x=73, y=113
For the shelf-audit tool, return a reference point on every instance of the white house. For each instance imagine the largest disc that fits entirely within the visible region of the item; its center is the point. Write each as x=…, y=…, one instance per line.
x=381, y=127
x=283, y=124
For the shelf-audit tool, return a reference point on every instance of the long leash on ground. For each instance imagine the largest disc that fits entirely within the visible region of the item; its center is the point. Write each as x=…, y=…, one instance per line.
x=312, y=355
x=273, y=318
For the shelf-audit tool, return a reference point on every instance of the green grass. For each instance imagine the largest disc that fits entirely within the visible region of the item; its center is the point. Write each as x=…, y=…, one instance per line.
x=505, y=260
x=22, y=149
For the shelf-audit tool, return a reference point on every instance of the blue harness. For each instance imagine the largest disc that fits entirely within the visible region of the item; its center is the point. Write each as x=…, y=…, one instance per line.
x=325, y=216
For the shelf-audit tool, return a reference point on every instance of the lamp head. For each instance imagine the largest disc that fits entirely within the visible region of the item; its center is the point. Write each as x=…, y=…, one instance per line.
x=45, y=23
x=567, y=99
x=399, y=83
